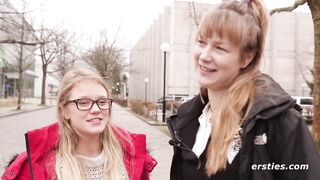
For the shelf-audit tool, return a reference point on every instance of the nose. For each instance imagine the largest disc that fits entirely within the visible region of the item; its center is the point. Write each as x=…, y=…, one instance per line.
x=95, y=108
x=205, y=54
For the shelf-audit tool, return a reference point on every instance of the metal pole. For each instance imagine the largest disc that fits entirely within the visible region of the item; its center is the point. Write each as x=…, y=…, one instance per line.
x=145, y=91
x=2, y=83
x=124, y=91
x=164, y=89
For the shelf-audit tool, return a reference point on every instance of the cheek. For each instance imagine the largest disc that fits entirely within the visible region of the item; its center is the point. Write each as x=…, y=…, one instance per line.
x=106, y=113
x=196, y=54
x=66, y=112
x=73, y=113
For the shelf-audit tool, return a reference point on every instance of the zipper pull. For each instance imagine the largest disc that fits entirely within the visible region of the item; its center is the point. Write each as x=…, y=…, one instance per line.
x=199, y=165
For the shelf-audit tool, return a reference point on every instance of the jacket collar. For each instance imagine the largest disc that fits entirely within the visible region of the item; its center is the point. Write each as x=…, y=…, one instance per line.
x=42, y=141
x=189, y=111
x=269, y=100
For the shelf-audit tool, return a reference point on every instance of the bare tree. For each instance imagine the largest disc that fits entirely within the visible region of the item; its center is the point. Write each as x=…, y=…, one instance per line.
x=67, y=55
x=16, y=30
x=314, y=6
x=193, y=13
x=106, y=58
x=24, y=30
x=8, y=21
x=53, y=46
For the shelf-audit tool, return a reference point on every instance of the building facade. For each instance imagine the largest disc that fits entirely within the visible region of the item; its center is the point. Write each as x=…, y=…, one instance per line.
x=13, y=26
x=288, y=55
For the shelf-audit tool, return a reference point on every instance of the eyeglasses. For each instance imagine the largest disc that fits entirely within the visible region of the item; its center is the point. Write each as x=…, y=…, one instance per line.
x=86, y=104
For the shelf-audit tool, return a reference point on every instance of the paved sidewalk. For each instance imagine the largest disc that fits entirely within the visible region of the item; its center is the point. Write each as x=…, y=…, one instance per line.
x=157, y=141
x=29, y=104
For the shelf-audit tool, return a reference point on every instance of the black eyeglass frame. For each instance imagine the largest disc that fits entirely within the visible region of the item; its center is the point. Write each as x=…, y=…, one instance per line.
x=76, y=101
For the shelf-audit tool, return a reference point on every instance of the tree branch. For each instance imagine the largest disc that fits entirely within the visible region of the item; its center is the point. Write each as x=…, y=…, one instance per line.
x=289, y=8
x=194, y=14
x=11, y=41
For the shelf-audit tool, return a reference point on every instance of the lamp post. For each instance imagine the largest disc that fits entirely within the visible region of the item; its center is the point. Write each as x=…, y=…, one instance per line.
x=146, y=80
x=125, y=78
x=165, y=47
x=124, y=91
x=2, y=89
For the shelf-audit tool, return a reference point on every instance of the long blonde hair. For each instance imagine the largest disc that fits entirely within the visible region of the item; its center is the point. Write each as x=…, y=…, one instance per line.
x=244, y=24
x=68, y=167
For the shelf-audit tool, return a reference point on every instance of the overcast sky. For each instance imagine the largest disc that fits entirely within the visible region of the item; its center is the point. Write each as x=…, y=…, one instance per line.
x=89, y=17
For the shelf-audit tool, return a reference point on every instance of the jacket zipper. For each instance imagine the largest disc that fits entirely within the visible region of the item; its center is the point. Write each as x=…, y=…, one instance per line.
x=186, y=148
x=29, y=156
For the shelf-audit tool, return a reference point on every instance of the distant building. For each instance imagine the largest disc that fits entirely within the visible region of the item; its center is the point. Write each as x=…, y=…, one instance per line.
x=11, y=23
x=289, y=53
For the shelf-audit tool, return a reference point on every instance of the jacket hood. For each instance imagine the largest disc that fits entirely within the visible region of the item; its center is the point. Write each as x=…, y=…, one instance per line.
x=42, y=141
x=269, y=100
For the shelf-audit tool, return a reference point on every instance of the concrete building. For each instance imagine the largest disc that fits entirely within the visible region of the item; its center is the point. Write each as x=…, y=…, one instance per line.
x=11, y=25
x=288, y=53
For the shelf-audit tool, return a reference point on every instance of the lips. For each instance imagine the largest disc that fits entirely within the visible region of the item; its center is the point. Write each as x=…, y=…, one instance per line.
x=94, y=120
x=206, y=69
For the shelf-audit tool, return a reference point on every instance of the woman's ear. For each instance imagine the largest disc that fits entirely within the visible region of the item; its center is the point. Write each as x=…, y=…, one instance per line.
x=65, y=113
x=248, y=57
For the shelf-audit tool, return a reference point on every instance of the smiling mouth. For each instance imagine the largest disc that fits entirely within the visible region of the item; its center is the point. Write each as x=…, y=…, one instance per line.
x=94, y=120
x=207, y=69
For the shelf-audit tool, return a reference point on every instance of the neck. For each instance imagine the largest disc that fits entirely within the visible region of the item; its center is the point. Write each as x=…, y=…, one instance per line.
x=90, y=147
x=215, y=97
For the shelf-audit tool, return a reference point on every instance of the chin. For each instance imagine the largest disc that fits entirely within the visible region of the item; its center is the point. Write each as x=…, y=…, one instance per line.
x=204, y=83
x=94, y=132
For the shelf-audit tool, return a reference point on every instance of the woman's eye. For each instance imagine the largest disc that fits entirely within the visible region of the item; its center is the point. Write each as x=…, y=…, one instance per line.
x=102, y=102
x=221, y=48
x=201, y=42
x=84, y=102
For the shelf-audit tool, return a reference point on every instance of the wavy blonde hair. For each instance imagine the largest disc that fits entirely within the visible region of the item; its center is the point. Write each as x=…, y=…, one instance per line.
x=67, y=165
x=244, y=24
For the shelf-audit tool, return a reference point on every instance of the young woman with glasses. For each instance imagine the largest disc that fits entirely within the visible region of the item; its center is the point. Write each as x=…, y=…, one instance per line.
x=84, y=144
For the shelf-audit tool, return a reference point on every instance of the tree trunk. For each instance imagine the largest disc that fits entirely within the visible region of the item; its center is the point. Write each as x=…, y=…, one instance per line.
x=19, y=86
x=44, y=79
x=314, y=6
x=19, y=83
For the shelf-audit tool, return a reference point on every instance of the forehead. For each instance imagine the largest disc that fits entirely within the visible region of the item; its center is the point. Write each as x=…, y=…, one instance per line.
x=222, y=24
x=217, y=40
x=89, y=89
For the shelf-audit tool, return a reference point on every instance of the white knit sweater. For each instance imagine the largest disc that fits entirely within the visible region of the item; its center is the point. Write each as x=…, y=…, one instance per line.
x=93, y=167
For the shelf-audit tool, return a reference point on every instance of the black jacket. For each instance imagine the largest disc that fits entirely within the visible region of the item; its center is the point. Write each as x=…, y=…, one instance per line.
x=288, y=139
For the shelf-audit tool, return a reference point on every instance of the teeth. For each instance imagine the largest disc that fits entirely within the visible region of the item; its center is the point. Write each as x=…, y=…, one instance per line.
x=206, y=69
x=94, y=120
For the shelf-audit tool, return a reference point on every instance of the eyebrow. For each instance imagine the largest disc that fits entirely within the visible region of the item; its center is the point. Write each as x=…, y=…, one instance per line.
x=87, y=97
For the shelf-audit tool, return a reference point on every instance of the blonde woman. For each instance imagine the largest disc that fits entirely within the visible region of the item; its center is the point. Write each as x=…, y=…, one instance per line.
x=242, y=125
x=84, y=144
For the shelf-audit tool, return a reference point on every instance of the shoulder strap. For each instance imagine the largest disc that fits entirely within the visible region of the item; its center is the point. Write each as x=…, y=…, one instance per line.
x=29, y=156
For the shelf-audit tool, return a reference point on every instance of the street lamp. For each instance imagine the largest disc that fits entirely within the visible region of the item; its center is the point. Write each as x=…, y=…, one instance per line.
x=146, y=80
x=165, y=47
x=125, y=78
